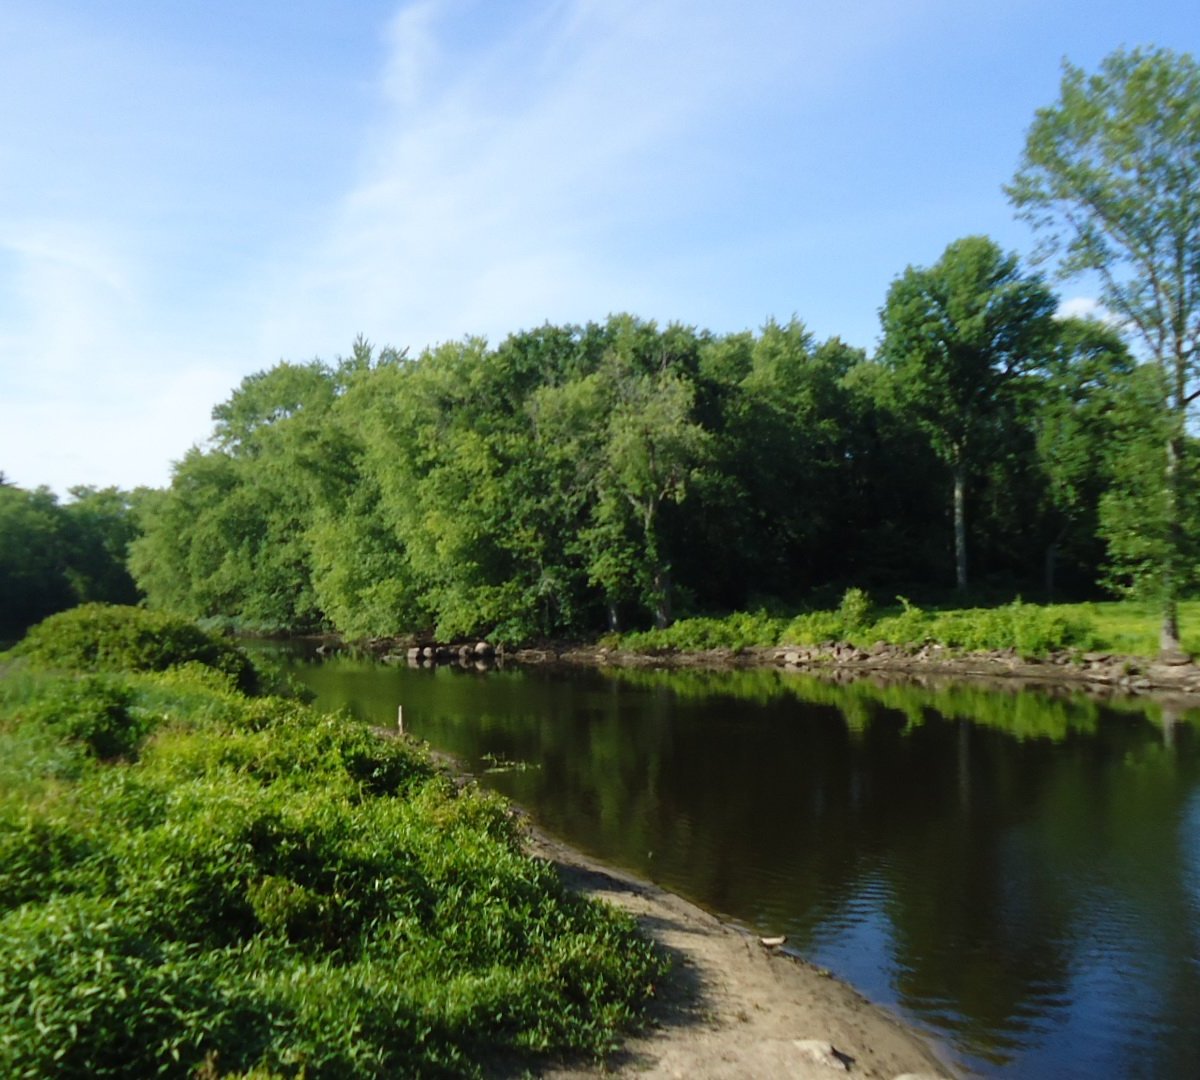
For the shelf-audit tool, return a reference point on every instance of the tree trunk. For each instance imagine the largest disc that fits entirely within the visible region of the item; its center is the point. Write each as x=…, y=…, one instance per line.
x=960, y=523
x=662, y=598
x=1168, y=641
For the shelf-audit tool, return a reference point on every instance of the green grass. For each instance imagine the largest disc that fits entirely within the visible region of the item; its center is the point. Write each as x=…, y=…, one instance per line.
x=198, y=882
x=1131, y=627
x=1032, y=630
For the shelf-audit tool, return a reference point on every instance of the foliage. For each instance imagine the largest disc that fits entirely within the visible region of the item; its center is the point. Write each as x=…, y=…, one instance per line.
x=53, y=556
x=574, y=479
x=109, y=637
x=1030, y=629
x=259, y=888
x=1109, y=175
x=741, y=630
x=960, y=340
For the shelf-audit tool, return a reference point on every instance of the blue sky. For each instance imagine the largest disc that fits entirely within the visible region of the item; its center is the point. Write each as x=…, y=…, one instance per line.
x=190, y=192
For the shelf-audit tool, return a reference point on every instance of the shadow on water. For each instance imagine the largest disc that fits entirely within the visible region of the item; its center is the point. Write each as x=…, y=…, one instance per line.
x=1019, y=872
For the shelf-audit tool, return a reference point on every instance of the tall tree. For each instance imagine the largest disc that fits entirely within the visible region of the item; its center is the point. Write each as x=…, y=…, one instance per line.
x=1111, y=176
x=961, y=338
x=1077, y=425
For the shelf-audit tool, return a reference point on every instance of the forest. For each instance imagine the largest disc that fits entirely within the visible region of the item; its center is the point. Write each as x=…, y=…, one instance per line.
x=577, y=479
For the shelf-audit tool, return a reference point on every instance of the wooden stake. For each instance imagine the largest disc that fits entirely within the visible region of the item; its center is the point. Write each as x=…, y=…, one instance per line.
x=400, y=718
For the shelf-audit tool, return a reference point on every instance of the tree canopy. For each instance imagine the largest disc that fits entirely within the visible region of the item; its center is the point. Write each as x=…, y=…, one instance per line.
x=962, y=339
x=1110, y=176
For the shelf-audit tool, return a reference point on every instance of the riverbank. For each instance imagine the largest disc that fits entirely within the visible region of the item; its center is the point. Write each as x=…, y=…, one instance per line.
x=733, y=1008
x=1098, y=673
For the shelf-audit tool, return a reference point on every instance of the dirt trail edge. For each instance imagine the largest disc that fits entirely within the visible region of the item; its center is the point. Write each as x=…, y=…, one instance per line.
x=733, y=1008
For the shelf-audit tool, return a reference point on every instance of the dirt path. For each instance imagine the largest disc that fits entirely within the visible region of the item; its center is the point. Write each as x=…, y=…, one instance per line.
x=734, y=1009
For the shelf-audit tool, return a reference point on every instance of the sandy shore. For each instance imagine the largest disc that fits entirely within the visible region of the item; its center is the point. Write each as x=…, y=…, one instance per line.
x=733, y=1008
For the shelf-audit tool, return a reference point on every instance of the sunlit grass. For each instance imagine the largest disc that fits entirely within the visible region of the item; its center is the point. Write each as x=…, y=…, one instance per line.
x=1127, y=627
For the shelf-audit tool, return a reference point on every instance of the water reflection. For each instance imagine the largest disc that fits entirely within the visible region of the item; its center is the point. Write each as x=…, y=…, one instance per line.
x=1017, y=871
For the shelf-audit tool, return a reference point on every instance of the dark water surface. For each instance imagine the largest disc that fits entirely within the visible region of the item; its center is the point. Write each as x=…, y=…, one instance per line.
x=1018, y=873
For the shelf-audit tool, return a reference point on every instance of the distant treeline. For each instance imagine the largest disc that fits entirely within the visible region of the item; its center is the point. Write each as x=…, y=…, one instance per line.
x=574, y=479
x=55, y=555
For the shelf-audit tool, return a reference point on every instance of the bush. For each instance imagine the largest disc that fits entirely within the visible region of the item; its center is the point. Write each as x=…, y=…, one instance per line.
x=741, y=630
x=109, y=637
x=855, y=610
x=261, y=889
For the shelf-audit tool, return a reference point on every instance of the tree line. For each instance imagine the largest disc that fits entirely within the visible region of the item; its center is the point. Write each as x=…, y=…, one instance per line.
x=574, y=478
x=579, y=477
x=54, y=555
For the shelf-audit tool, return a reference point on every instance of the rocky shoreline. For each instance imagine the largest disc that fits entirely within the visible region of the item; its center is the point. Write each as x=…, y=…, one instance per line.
x=1099, y=674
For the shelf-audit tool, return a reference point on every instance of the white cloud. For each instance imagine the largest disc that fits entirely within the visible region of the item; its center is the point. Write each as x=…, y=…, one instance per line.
x=91, y=392
x=548, y=167
x=1086, y=307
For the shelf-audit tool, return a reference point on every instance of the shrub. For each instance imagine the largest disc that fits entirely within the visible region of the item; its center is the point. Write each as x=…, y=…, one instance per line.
x=264, y=890
x=110, y=637
x=854, y=610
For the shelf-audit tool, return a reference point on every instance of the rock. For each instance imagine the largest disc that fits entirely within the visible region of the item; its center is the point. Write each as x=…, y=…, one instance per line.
x=484, y=649
x=428, y=652
x=774, y=942
x=919, y=1076
x=465, y=653
x=820, y=1052
x=414, y=653
x=792, y=658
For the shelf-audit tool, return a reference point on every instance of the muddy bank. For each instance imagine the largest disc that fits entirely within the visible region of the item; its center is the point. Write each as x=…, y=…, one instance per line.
x=733, y=1007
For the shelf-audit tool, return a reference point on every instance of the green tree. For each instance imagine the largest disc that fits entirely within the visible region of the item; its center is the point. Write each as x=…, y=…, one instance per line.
x=1079, y=422
x=961, y=338
x=229, y=538
x=54, y=556
x=100, y=529
x=652, y=445
x=33, y=559
x=1111, y=177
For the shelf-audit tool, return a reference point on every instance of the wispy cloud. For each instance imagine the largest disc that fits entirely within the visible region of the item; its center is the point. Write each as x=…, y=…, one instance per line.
x=549, y=168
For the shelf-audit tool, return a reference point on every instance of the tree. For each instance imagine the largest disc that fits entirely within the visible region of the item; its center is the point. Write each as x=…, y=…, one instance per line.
x=1111, y=177
x=100, y=527
x=1079, y=425
x=33, y=559
x=960, y=339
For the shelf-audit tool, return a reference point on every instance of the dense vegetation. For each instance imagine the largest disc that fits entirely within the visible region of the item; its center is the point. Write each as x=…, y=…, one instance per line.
x=198, y=882
x=55, y=555
x=1128, y=627
x=577, y=479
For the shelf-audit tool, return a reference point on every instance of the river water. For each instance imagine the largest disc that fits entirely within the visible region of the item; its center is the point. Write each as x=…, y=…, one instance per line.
x=1017, y=873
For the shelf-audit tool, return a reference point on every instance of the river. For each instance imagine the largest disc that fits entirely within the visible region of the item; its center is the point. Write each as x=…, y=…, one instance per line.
x=1017, y=873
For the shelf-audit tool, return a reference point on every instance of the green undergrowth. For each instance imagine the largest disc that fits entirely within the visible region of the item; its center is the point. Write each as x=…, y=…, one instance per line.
x=1031, y=630
x=196, y=882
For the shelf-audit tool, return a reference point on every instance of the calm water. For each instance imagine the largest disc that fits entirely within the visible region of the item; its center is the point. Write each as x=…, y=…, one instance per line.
x=1018, y=873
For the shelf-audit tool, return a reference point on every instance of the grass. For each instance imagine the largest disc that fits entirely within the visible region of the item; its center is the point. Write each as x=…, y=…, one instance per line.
x=197, y=882
x=1032, y=630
